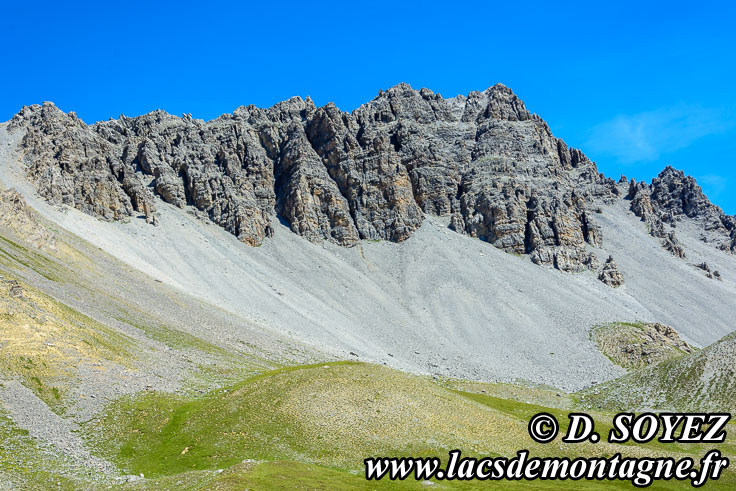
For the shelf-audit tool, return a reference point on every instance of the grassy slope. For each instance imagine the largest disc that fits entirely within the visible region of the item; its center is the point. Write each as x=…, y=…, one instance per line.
x=313, y=424
x=288, y=476
x=47, y=346
x=45, y=342
x=702, y=381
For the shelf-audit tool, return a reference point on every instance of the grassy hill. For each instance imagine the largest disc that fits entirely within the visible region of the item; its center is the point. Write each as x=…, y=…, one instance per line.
x=307, y=425
x=701, y=381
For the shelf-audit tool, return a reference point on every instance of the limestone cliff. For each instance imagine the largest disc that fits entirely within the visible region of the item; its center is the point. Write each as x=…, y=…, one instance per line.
x=482, y=160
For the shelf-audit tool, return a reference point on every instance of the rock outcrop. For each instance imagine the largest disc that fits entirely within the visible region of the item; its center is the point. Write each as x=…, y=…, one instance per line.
x=636, y=345
x=610, y=274
x=17, y=217
x=652, y=214
x=482, y=160
x=672, y=196
x=712, y=274
x=703, y=380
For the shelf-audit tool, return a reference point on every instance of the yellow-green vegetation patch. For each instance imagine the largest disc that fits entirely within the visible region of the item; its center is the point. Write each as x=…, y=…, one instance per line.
x=45, y=342
x=13, y=254
x=181, y=340
x=525, y=411
x=333, y=414
x=281, y=475
x=633, y=345
x=286, y=476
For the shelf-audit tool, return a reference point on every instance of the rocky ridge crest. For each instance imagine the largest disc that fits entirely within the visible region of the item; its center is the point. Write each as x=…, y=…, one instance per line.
x=482, y=160
x=673, y=196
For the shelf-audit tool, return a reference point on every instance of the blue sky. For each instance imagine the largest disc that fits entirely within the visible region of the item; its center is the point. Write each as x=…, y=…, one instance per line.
x=636, y=85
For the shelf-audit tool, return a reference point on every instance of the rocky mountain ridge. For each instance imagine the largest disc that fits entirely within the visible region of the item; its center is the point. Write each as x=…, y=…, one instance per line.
x=673, y=196
x=483, y=160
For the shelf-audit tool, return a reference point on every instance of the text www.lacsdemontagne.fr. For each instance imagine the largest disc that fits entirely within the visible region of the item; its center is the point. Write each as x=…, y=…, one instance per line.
x=641, y=472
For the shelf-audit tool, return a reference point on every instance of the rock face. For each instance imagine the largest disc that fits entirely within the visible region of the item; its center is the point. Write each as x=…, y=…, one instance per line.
x=610, y=275
x=650, y=212
x=672, y=196
x=72, y=165
x=16, y=216
x=482, y=160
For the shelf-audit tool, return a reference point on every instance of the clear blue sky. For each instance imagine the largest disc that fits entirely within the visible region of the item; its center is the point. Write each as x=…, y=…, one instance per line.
x=636, y=85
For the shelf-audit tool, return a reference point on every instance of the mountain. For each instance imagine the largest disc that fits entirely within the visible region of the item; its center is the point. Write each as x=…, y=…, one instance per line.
x=206, y=207
x=247, y=299
x=482, y=160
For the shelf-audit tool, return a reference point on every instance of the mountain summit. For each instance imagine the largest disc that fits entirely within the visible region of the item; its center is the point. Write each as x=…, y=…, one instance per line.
x=482, y=160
